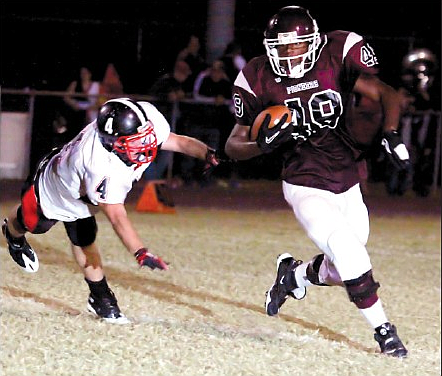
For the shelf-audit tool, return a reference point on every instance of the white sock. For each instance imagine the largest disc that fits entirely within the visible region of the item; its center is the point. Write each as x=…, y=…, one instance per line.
x=301, y=275
x=375, y=314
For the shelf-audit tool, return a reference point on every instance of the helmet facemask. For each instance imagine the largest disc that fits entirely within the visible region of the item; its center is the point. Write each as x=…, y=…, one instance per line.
x=138, y=148
x=293, y=66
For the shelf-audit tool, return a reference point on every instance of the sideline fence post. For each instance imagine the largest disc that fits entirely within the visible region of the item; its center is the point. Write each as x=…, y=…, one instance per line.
x=437, y=155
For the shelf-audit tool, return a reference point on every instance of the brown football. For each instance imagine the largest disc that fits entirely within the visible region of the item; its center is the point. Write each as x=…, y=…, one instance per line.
x=276, y=113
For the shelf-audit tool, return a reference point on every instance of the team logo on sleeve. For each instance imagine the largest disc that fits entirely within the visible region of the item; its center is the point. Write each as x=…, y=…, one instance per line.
x=239, y=106
x=368, y=57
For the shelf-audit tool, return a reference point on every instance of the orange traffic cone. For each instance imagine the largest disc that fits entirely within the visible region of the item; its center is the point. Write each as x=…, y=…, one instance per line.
x=156, y=198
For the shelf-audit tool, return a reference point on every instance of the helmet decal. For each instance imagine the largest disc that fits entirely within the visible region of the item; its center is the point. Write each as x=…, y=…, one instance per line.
x=108, y=126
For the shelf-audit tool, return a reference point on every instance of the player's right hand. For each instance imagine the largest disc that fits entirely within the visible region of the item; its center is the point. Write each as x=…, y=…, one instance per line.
x=145, y=258
x=212, y=160
x=270, y=139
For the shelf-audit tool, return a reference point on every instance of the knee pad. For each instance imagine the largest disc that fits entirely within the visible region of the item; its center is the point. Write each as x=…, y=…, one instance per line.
x=82, y=232
x=362, y=290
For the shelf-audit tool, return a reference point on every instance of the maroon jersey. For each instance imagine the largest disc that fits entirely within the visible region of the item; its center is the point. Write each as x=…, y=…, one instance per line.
x=323, y=153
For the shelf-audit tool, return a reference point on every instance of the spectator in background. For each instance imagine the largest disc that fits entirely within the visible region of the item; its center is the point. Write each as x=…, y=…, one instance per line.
x=171, y=86
x=233, y=60
x=111, y=85
x=213, y=85
x=191, y=55
x=83, y=106
x=211, y=119
x=168, y=88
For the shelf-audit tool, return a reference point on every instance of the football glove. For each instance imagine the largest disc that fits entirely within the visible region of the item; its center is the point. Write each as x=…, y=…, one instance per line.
x=145, y=258
x=396, y=150
x=212, y=160
x=270, y=139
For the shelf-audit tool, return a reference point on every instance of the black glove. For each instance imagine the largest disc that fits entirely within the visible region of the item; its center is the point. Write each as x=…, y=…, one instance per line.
x=396, y=150
x=270, y=139
x=145, y=258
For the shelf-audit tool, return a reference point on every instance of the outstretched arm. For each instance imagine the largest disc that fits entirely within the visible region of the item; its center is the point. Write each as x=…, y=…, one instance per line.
x=186, y=145
x=193, y=148
x=117, y=215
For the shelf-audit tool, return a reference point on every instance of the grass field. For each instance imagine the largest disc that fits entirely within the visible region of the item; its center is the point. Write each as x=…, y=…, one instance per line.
x=205, y=316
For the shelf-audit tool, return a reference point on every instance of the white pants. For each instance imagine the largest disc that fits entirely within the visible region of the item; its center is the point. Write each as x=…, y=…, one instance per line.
x=337, y=223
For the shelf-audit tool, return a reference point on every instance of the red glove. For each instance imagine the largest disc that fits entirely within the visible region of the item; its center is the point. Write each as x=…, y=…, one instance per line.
x=145, y=258
x=212, y=160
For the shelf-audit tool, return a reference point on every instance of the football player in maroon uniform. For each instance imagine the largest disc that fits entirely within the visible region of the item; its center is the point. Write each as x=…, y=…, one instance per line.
x=314, y=74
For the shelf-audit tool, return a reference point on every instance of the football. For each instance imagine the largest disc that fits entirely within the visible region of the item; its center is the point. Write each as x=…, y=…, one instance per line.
x=276, y=113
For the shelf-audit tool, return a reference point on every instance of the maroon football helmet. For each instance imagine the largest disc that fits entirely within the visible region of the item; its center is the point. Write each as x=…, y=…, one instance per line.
x=293, y=26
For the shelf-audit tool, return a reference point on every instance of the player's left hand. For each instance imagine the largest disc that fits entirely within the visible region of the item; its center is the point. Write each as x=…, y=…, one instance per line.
x=396, y=150
x=272, y=138
x=145, y=258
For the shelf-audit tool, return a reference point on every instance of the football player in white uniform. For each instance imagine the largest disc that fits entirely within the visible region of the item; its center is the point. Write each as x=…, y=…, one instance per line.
x=95, y=171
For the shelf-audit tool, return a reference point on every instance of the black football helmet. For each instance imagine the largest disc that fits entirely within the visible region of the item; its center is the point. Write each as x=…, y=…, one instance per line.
x=125, y=130
x=292, y=24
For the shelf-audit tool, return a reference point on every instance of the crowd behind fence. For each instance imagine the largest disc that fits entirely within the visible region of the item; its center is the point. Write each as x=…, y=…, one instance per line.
x=27, y=101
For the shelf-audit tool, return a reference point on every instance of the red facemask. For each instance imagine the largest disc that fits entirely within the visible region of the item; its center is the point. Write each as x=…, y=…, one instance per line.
x=139, y=148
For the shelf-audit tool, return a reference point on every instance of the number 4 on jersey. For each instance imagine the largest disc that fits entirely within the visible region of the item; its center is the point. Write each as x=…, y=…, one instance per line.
x=102, y=188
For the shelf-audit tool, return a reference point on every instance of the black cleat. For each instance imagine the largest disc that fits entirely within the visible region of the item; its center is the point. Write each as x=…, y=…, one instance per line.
x=107, y=309
x=284, y=285
x=389, y=341
x=20, y=250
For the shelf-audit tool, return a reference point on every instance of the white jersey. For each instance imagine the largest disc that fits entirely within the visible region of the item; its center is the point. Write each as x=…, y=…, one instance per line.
x=84, y=173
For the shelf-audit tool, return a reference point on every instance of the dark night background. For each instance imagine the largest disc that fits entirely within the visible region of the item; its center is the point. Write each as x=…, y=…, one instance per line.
x=44, y=43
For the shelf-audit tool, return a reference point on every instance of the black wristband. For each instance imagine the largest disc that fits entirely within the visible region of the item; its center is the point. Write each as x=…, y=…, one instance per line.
x=140, y=252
